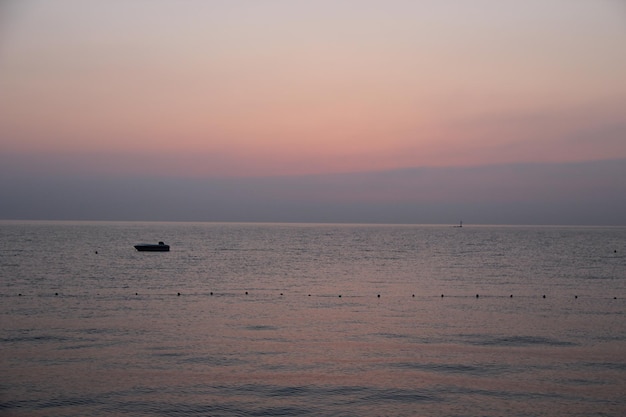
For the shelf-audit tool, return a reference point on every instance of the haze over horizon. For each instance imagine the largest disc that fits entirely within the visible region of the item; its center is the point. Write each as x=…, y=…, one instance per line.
x=490, y=112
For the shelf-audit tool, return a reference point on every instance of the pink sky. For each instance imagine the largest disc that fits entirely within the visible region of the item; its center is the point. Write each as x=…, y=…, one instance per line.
x=435, y=111
x=246, y=88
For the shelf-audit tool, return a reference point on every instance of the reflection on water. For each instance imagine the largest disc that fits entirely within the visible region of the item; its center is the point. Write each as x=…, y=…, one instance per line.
x=311, y=320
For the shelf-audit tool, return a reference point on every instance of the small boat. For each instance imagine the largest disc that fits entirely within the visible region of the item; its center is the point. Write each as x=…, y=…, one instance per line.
x=151, y=247
x=460, y=224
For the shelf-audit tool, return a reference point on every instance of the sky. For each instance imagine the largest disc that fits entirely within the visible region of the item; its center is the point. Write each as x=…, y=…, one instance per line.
x=398, y=111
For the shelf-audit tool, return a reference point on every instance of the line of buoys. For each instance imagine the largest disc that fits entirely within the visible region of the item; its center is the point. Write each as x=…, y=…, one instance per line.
x=378, y=295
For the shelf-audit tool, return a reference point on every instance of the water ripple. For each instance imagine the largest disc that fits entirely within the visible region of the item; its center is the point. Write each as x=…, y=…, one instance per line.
x=485, y=340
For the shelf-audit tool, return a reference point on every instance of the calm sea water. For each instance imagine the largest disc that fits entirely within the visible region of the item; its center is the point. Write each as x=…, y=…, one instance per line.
x=322, y=320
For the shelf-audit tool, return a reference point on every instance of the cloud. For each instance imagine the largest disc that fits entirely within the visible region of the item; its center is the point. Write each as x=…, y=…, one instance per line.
x=572, y=193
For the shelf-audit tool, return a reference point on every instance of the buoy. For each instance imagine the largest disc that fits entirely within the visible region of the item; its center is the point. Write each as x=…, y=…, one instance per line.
x=575, y=296
x=281, y=293
x=511, y=296
x=56, y=293
x=339, y=295
x=413, y=295
x=178, y=294
x=476, y=295
x=246, y=292
x=378, y=295
x=441, y=295
x=211, y=293
x=544, y=296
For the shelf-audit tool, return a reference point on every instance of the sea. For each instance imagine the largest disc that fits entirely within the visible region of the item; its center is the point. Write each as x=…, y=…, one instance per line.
x=249, y=319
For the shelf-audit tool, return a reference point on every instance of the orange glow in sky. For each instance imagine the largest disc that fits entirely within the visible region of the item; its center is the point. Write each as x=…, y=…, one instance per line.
x=245, y=88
